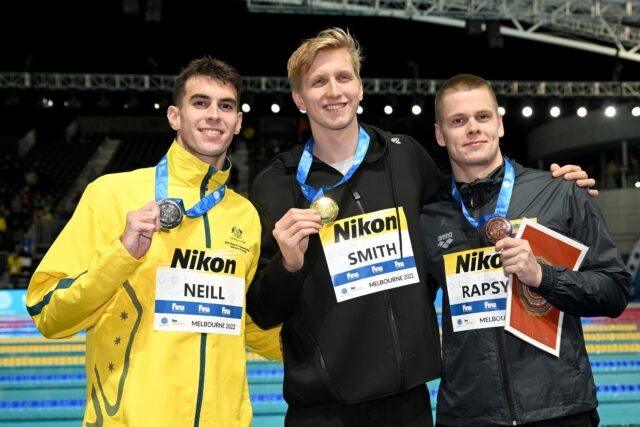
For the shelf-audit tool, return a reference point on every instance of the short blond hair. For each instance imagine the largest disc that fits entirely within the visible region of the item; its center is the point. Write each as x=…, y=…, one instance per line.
x=331, y=38
x=461, y=82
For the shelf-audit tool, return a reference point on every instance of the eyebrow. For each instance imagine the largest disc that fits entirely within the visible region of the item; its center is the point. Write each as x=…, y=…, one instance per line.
x=207, y=97
x=199, y=96
x=326, y=73
x=455, y=116
x=315, y=75
x=465, y=114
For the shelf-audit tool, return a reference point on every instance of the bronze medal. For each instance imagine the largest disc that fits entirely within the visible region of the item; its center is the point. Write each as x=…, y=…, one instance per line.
x=327, y=208
x=497, y=228
x=170, y=214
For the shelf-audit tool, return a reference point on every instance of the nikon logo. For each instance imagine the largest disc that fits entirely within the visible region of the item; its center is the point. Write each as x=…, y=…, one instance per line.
x=193, y=259
x=353, y=228
x=477, y=261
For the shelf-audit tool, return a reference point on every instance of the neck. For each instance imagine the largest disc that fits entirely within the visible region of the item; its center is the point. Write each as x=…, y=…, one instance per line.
x=215, y=161
x=333, y=146
x=219, y=162
x=470, y=173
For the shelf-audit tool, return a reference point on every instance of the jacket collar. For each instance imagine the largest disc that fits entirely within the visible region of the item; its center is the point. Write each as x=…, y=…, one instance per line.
x=190, y=171
x=494, y=178
x=377, y=148
x=489, y=185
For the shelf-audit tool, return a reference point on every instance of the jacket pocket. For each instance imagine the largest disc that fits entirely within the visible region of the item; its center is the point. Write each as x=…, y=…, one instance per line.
x=307, y=379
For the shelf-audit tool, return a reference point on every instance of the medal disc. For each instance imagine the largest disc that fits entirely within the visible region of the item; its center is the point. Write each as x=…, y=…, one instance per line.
x=170, y=214
x=327, y=208
x=497, y=228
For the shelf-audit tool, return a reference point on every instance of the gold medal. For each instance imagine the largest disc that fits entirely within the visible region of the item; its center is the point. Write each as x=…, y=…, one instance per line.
x=327, y=208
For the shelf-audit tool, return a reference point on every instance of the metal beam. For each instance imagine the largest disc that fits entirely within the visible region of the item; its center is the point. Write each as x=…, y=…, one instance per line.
x=263, y=84
x=606, y=27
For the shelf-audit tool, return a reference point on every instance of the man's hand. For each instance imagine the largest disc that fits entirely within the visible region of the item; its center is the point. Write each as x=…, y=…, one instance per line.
x=518, y=259
x=575, y=173
x=292, y=234
x=138, y=231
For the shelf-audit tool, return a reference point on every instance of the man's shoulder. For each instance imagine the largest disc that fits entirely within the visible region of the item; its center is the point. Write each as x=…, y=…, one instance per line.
x=399, y=139
x=118, y=187
x=524, y=172
x=408, y=148
x=108, y=181
x=442, y=203
x=551, y=195
x=542, y=180
x=275, y=177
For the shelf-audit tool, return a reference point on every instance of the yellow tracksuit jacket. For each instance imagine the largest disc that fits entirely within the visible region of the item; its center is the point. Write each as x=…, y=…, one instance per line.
x=136, y=375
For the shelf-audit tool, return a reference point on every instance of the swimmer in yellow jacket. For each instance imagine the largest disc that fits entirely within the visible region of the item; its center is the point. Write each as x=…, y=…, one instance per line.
x=159, y=285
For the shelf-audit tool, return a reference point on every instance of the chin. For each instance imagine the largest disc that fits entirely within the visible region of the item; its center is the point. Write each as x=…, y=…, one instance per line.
x=342, y=124
x=474, y=161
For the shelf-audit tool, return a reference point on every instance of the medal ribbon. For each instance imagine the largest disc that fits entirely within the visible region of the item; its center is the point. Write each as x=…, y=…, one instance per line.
x=503, y=197
x=200, y=208
x=304, y=166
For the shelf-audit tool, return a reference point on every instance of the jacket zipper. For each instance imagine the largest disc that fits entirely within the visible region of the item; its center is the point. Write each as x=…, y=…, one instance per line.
x=396, y=340
x=394, y=327
x=356, y=196
x=203, y=337
x=506, y=382
x=505, y=375
x=387, y=299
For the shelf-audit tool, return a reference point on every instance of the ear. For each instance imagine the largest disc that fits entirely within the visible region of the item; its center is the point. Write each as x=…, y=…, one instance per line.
x=173, y=115
x=297, y=99
x=238, y=124
x=500, y=126
x=439, y=136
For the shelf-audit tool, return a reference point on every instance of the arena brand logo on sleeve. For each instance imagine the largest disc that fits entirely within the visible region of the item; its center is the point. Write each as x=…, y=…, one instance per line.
x=445, y=240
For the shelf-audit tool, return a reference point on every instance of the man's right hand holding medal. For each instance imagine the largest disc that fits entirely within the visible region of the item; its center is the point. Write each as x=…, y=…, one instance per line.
x=292, y=233
x=518, y=258
x=139, y=229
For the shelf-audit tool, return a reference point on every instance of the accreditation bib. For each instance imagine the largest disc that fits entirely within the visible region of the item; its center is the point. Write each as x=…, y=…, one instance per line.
x=369, y=253
x=200, y=292
x=477, y=289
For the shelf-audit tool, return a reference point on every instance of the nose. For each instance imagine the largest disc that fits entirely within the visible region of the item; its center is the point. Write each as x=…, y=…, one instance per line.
x=472, y=127
x=333, y=88
x=213, y=113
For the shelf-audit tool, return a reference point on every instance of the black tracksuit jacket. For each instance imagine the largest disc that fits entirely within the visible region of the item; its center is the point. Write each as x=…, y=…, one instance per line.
x=364, y=348
x=489, y=376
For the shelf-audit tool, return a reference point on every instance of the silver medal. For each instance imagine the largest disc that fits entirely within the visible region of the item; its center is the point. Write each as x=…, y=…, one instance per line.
x=170, y=214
